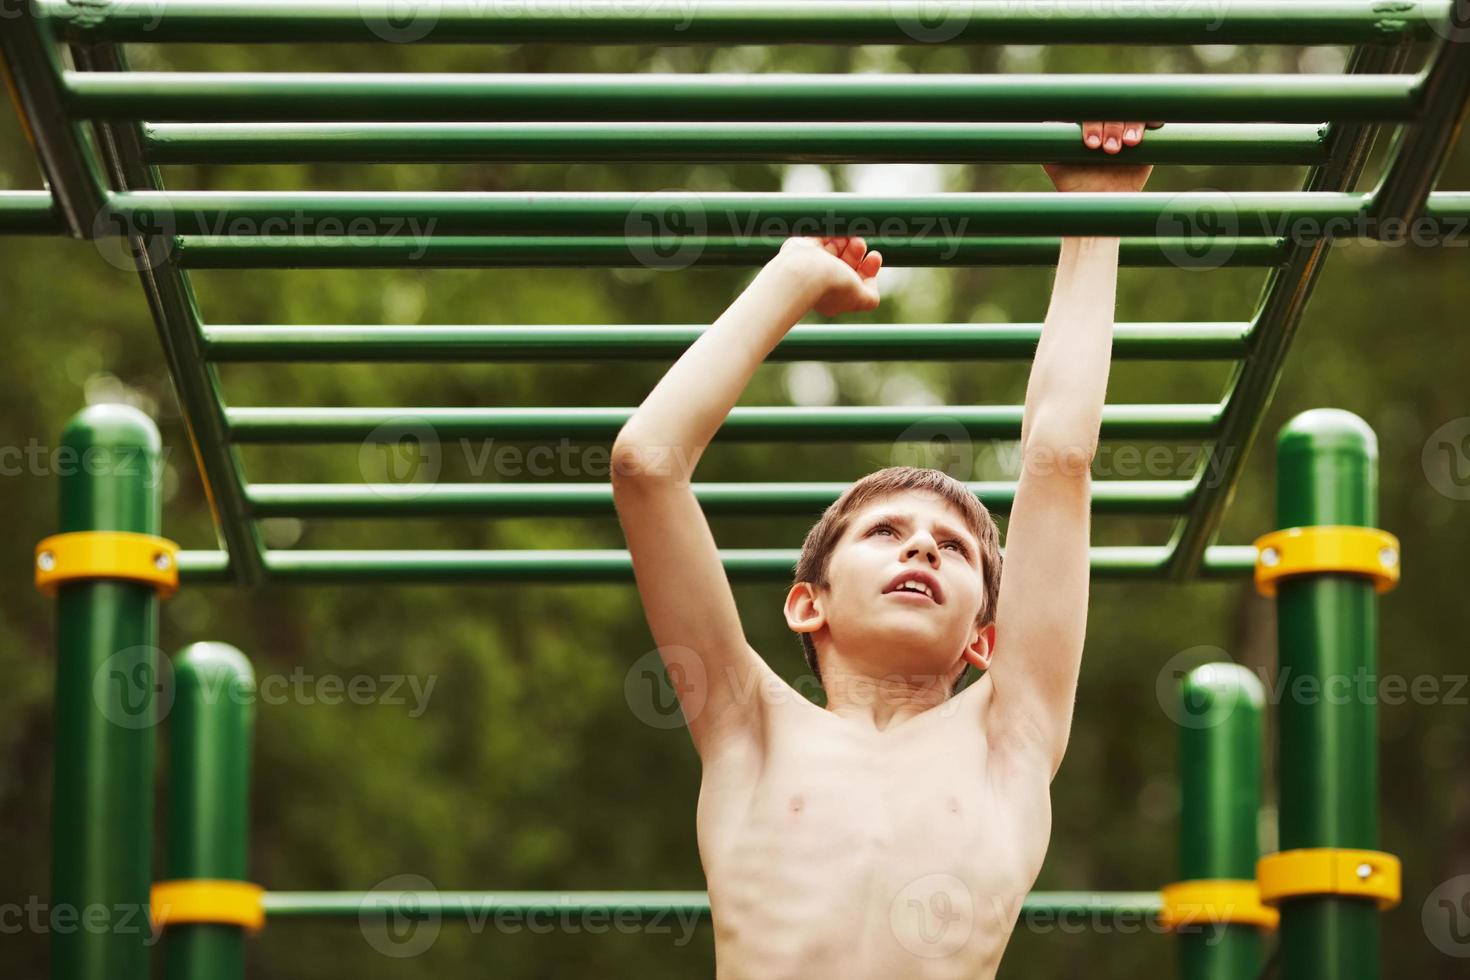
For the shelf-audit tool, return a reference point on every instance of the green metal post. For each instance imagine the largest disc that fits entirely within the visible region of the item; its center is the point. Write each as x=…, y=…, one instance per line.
x=1327, y=474
x=1220, y=750
x=106, y=676
x=208, y=800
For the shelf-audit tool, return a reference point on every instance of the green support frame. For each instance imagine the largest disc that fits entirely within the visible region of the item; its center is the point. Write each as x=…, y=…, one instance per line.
x=105, y=180
x=144, y=119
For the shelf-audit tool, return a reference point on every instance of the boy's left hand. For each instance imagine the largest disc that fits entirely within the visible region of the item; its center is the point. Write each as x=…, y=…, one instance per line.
x=1110, y=138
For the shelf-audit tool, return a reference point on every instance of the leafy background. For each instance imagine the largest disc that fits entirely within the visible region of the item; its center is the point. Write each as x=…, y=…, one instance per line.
x=528, y=769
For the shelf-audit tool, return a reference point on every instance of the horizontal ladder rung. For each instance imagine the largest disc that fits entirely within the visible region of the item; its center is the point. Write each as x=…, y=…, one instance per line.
x=934, y=219
x=777, y=423
x=178, y=96
x=1144, y=497
x=614, y=566
x=749, y=22
x=478, y=906
x=894, y=142
x=561, y=342
x=671, y=254
x=28, y=213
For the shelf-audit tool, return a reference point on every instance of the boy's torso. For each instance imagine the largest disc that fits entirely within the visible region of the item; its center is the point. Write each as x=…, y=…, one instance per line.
x=831, y=850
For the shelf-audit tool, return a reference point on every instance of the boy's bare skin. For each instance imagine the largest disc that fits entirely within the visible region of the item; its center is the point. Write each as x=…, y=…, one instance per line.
x=893, y=833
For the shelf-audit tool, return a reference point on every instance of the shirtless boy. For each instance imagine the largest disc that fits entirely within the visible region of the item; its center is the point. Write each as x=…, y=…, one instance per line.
x=892, y=834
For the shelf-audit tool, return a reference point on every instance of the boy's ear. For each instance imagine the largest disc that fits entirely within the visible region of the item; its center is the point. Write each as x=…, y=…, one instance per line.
x=804, y=609
x=982, y=647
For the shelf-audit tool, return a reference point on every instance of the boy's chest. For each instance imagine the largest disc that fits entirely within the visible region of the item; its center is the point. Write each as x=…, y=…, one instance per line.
x=905, y=800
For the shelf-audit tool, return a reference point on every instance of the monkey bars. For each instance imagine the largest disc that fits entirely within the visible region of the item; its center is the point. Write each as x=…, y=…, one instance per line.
x=110, y=185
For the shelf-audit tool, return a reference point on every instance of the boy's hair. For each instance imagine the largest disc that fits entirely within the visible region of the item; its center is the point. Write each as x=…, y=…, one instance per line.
x=821, y=540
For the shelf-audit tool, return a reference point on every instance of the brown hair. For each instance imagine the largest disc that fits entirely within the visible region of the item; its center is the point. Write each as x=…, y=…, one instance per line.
x=816, y=550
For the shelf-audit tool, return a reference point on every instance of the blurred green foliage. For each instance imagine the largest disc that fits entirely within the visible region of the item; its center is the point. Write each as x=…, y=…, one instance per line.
x=527, y=770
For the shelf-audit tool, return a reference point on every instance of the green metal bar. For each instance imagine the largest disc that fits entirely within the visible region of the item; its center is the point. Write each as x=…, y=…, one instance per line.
x=33, y=73
x=894, y=142
x=29, y=213
x=209, y=800
x=106, y=674
x=1326, y=627
x=671, y=252
x=1222, y=706
x=749, y=22
x=1283, y=301
x=804, y=342
x=178, y=96
x=1420, y=151
x=608, y=566
x=477, y=906
x=773, y=423
x=357, y=500
x=942, y=218
x=176, y=315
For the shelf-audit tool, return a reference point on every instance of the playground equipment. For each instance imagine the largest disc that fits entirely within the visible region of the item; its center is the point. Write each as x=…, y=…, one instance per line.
x=109, y=567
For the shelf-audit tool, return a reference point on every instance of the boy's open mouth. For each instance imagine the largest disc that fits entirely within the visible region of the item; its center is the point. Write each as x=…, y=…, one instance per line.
x=916, y=583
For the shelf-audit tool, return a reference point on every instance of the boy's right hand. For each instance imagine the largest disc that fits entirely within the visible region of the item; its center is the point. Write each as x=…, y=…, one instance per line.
x=843, y=272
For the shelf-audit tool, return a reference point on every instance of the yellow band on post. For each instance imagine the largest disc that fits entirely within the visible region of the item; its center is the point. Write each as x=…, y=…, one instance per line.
x=209, y=901
x=1329, y=871
x=127, y=555
x=1331, y=548
x=1215, y=901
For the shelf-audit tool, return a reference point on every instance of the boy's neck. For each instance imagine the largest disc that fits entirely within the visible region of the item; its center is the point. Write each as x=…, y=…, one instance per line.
x=880, y=702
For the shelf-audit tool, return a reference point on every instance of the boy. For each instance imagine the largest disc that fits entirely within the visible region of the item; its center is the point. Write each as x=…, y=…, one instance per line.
x=894, y=833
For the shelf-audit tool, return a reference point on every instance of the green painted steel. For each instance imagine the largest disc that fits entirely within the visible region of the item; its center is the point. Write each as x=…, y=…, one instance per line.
x=940, y=218
x=1279, y=312
x=208, y=800
x=752, y=22
x=32, y=73
x=773, y=423
x=804, y=342
x=1221, y=747
x=673, y=252
x=809, y=142
x=106, y=674
x=1419, y=152
x=546, y=566
x=1326, y=628
x=477, y=906
x=29, y=213
x=178, y=96
x=537, y=499
x=176, y=316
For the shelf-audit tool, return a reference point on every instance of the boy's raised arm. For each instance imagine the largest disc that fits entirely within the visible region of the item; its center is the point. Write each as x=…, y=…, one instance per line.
x=1042, y=609
x=686, y=595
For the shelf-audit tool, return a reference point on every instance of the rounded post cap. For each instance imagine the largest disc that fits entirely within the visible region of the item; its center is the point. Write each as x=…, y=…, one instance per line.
x=1327, y=430
x=1229, y=684
x=112, y=427
x=219, y=661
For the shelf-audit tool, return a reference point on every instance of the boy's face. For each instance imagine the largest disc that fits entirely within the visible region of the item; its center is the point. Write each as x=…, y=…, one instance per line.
x=891, y=546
